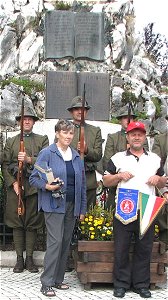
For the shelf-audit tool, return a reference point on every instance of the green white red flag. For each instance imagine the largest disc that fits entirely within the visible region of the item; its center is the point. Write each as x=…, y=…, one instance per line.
x=150, y=205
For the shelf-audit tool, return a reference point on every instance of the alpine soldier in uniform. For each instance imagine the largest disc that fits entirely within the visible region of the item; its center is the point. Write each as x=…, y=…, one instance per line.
x=92, y=149
x=24, y=226
x=133, y=169
x=160, y=147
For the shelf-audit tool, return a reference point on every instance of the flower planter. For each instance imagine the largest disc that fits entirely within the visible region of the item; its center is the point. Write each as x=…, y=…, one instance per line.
x=94, y=262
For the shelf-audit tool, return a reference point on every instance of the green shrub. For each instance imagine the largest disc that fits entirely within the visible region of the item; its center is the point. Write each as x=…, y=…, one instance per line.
x=61, y=5
x=29, y=86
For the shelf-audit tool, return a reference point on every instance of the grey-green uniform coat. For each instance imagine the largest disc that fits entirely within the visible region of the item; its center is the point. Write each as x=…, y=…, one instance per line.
x=160, y=147
x=93, y=140
x=116, y=142
x=31, y=220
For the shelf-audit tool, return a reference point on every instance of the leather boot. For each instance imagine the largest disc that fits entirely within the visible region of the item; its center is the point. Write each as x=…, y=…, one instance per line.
x=30, y=266
x=19, y=266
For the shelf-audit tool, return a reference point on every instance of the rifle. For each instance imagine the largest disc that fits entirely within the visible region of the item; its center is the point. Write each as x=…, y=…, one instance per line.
x=20, y=208
x=129, y=112
x=82, y=132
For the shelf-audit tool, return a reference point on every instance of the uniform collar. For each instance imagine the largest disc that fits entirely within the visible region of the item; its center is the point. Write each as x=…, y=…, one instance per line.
x=123, y=131
x=27, y=134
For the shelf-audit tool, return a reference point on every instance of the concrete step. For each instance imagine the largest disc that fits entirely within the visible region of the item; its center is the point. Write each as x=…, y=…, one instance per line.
x=8, y=258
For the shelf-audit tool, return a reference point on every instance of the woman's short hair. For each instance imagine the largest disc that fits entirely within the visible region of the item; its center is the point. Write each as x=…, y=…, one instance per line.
x=65, y=125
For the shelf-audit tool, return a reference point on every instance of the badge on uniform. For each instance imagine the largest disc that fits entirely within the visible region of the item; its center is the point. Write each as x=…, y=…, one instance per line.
x=126, y=205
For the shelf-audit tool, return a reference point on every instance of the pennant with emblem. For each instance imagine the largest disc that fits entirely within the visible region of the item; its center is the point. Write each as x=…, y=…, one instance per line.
x=150, y=206
x=126, y=205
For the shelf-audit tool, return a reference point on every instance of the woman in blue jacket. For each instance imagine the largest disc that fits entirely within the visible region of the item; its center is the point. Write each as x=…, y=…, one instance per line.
x=62, y=197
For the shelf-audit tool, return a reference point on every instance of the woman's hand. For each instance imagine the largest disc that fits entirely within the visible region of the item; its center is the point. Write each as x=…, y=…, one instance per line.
x=81, y=217
x=55, y=185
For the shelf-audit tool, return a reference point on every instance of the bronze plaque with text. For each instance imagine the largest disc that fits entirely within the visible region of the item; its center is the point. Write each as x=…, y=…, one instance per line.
x=62, y=87
x=78, y=35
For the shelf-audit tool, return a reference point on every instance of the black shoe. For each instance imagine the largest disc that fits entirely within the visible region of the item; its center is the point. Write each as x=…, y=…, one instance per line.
x=119, y=292
x=19, y=267
x=143, y=292
x=30, y=266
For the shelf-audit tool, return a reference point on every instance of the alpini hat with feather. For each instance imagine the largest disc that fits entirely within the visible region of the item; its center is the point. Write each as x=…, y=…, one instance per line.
x=77, y=103
x=123, y=112
x=28, y=112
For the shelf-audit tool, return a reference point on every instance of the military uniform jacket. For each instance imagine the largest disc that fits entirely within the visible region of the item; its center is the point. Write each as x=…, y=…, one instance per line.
x=93, y=140
x=160, y=146
x=33, y=143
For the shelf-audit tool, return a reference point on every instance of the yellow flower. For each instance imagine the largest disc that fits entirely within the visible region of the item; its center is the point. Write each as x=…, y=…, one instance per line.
x=91, y=228
x=97, y=224
x=100, y=222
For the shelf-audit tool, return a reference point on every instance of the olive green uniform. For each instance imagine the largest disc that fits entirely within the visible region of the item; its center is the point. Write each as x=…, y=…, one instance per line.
x=93, y=141
x=116, y=142
x=160, y=147
x=24, y=227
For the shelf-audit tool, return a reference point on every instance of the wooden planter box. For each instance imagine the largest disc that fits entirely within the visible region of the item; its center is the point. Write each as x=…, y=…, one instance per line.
x=93, y=262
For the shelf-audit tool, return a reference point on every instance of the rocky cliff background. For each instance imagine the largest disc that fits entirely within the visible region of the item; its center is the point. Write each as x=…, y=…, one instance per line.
x=134, y=76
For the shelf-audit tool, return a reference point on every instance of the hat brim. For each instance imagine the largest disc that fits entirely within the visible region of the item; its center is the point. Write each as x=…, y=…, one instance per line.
x=125, y=115
x=78, y=106
x=33, y=117
x=136, y=128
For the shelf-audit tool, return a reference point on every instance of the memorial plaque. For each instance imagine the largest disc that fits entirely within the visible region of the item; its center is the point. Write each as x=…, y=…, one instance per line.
x=62, y=87
x=89, y=37
x=59, y=34
x=97, y=94
x=78, y=35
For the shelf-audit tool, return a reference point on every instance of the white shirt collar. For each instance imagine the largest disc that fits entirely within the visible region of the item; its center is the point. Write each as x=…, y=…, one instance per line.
x=67, y=155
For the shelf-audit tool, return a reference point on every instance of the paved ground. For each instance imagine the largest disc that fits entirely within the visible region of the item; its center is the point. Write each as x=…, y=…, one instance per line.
x=26, y=286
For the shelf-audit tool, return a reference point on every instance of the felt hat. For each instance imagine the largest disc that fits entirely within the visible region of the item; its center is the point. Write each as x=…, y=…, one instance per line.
x=77, y=103
x=28, y=112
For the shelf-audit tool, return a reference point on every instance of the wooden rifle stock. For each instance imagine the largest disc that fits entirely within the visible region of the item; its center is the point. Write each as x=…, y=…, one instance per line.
x=82, y=131
x=20, y=208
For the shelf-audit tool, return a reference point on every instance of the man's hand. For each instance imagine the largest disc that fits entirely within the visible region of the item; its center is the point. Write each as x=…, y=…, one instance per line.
x=85, y=147
x=155, y=180
x=22, y=156
x=16, y=187
x=165, y=195
x=125, y=176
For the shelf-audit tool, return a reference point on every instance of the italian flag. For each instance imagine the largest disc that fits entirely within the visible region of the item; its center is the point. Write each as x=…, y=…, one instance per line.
x=150, y=205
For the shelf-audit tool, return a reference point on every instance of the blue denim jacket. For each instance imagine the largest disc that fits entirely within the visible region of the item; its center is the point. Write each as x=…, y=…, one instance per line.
x=50, y=157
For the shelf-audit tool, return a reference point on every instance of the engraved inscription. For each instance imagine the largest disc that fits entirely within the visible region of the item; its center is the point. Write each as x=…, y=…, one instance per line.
x=69, y=34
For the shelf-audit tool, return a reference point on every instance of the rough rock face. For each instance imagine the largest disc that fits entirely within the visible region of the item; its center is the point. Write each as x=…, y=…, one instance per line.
x=22, y=55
